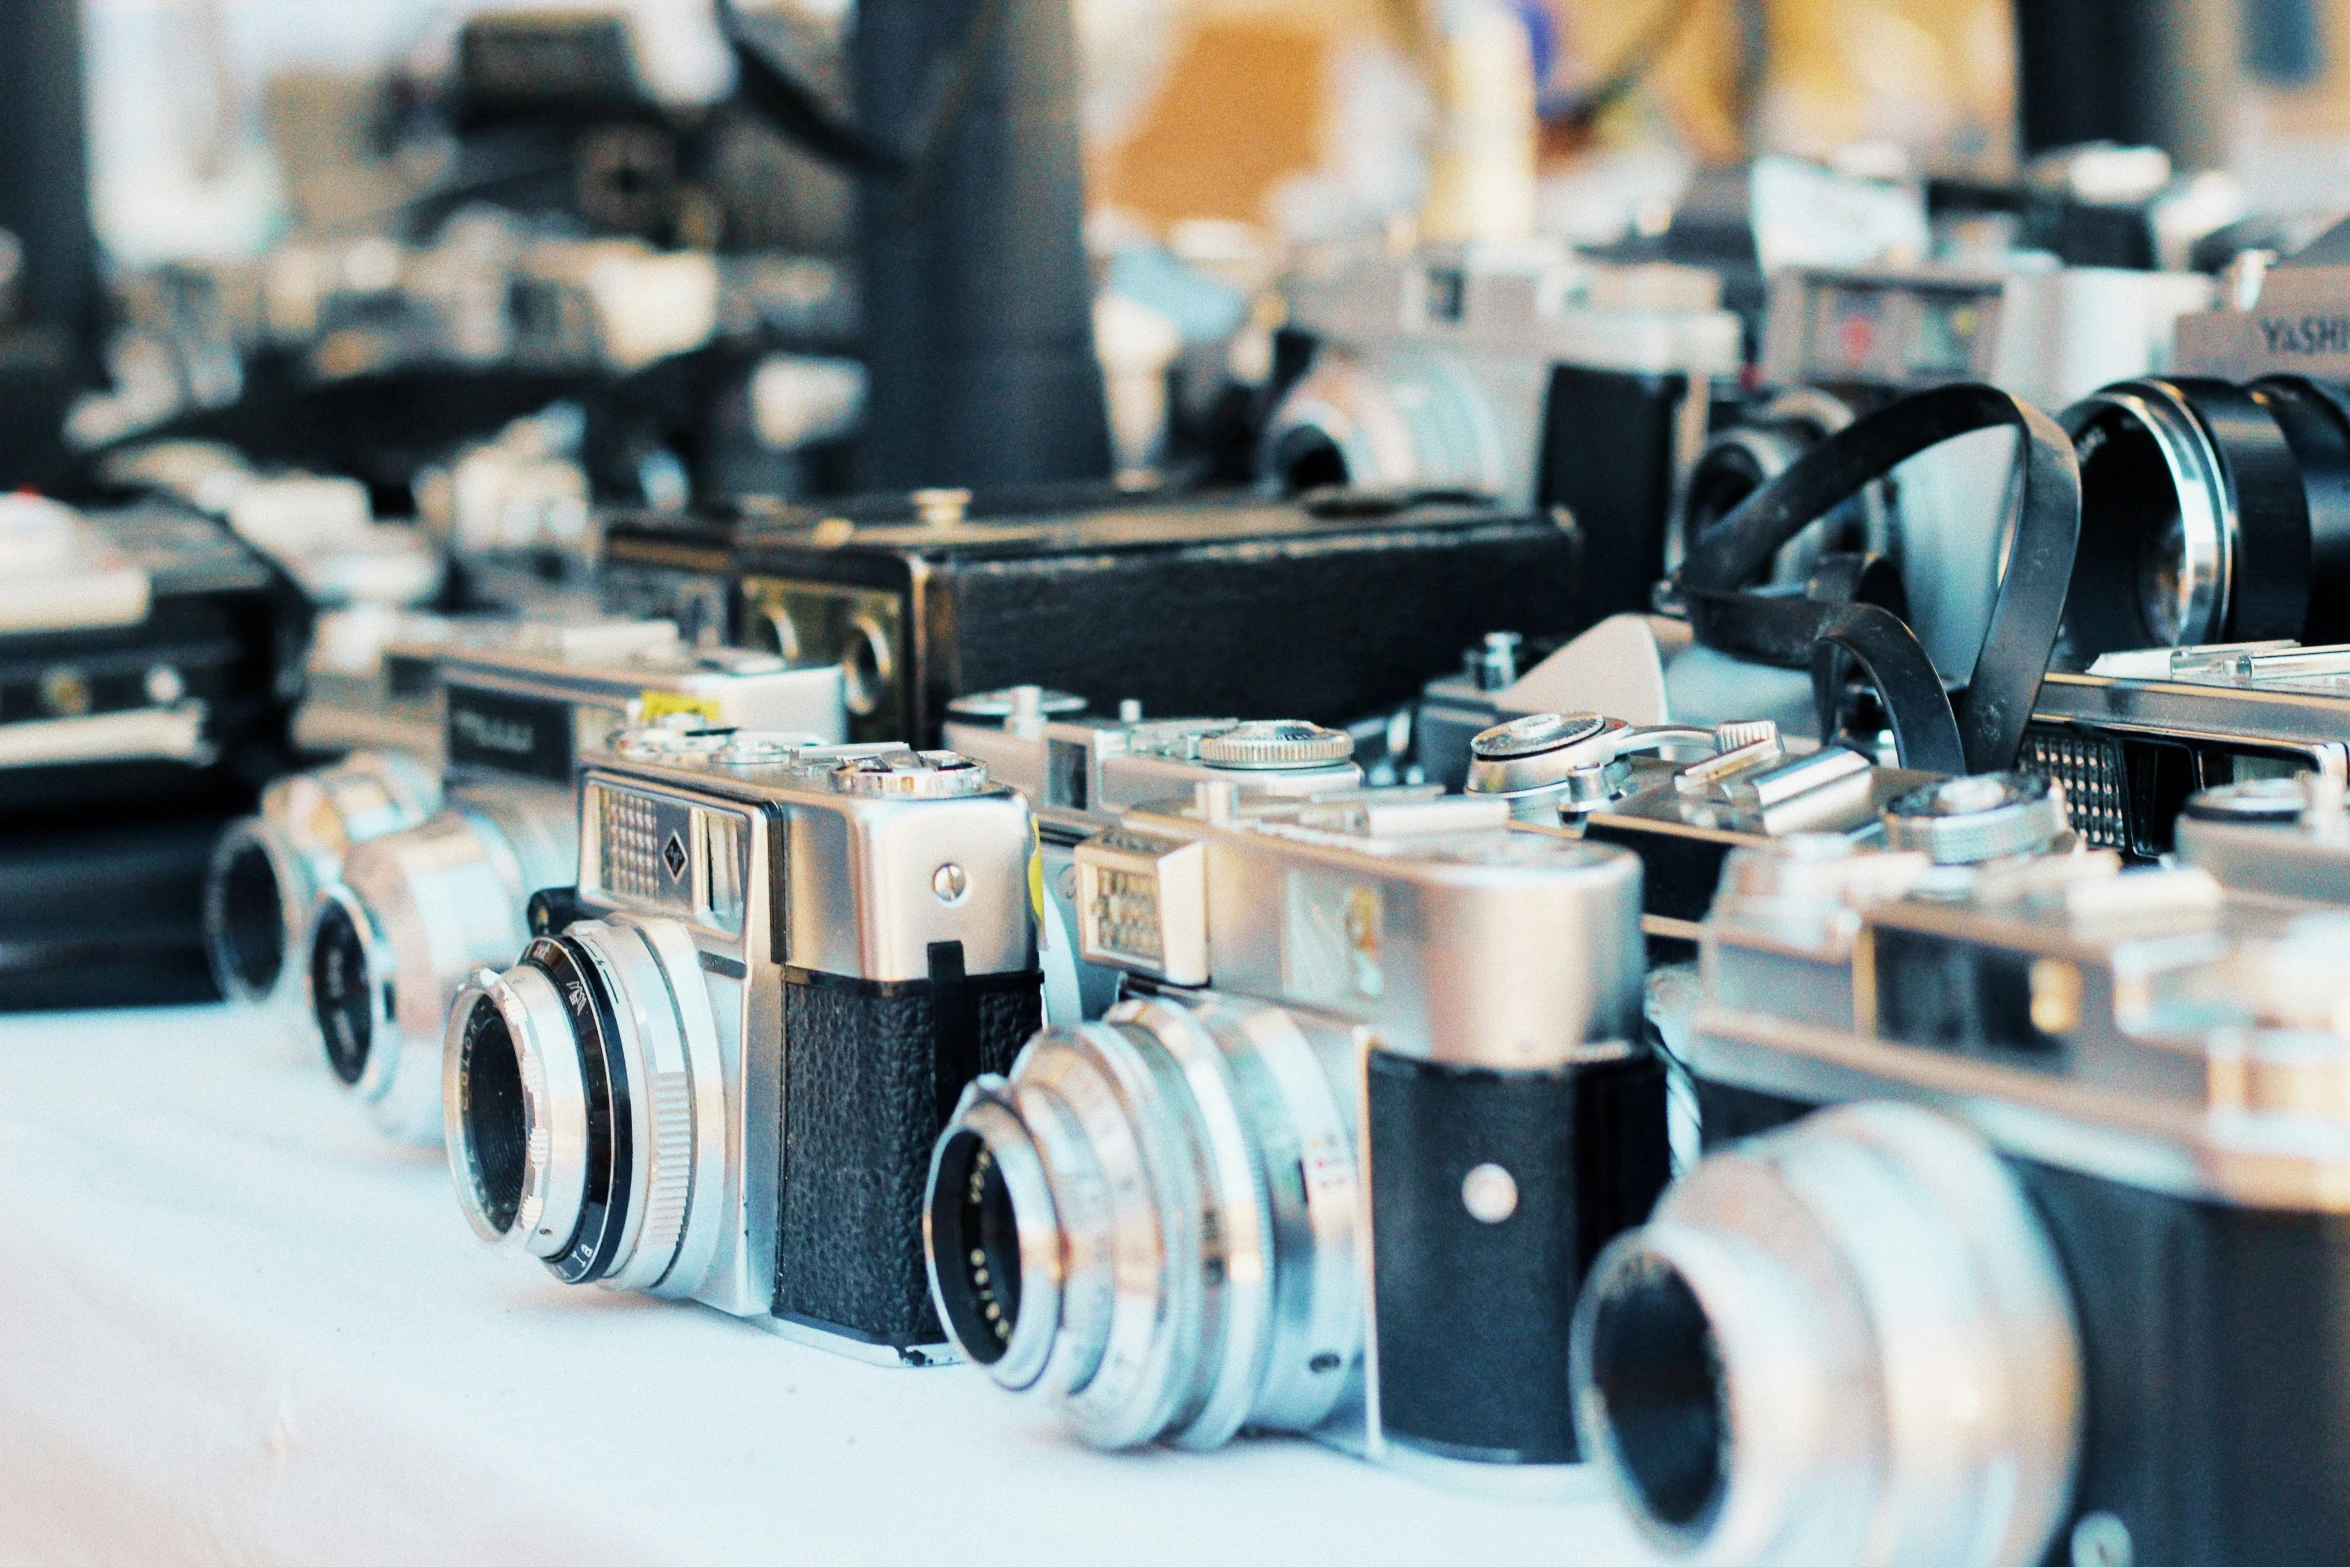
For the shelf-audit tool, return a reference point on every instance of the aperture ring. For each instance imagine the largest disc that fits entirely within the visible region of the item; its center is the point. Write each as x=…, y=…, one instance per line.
x=611, y=1147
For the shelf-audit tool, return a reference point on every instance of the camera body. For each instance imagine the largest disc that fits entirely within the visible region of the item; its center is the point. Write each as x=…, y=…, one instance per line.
x=2096, y=1162
x=1080, y=771
x=140, y=706
x=1327, y=611
x=722, y=1079
x=1513, y=372
x=2140, y=732
x=416, y=912
x=1338, y=1162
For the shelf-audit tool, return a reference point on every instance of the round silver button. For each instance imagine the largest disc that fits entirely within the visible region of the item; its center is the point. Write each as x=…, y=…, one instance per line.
x=1490, y=1193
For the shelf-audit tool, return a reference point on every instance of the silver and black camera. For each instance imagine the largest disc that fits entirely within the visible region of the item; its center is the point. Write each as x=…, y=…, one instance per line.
x=2055, y=1275
x=1338, y=1166
x=722, y=1079
x=1080, y=771
x=1518, y=373
x=416, y=912
x=2139, y=732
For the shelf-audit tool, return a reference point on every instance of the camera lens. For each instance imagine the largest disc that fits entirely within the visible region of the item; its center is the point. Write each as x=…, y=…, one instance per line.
x=976, y=1231
x=1657, y=1372
x=245, y=915
x=581, y=1091
x=342, y=988
x=2210, y=512
x=1850, y=1338
x=497, y=1125
x=1127, y=1225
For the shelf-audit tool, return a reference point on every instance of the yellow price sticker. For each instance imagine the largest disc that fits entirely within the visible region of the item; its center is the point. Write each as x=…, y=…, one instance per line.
x=653, y=706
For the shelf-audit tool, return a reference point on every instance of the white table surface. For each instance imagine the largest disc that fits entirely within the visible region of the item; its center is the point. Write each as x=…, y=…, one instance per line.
x=236, y=1327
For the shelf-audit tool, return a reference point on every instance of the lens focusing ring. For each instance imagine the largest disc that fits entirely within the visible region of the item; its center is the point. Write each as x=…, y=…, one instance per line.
x=1848, y=1338
x=1283, y=742
x=1985, y=816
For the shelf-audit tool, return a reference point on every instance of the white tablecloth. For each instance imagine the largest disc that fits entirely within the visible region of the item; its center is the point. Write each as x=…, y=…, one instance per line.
x=236, y=1327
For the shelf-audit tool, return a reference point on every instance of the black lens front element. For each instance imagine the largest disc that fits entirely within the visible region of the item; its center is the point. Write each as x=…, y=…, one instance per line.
x=497, y=1131
x=251, y=920
x=1655, y=1366
x=977, y=1235
x=339, y=992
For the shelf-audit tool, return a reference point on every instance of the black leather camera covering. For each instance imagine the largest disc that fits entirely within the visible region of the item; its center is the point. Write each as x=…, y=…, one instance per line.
x=1230, y=606
x=1472, y=1318
x=2216, y=1354
x=871, y=1071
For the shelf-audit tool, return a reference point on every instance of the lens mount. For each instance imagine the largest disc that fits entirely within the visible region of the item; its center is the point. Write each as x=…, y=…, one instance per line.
x=1849, y=1337
x=515, y=1110
x=1001, y=1304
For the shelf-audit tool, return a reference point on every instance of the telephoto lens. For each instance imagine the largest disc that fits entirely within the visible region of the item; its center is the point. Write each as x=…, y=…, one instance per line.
x=269, y=869
x=1339, y=1167
x=417, y=912
x=2211, y=511
x=720, y=1076
x=2020, y=1236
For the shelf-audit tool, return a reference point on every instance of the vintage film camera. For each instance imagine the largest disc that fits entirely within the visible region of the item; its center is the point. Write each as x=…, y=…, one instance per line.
x=2138, y=733
x=1328, y=611
x=417, y=911
x=1079, y=771
x=140, y=706
x=1514, y=373
x=1338, y=1166
x=721, y=1078
x=2055, y=1280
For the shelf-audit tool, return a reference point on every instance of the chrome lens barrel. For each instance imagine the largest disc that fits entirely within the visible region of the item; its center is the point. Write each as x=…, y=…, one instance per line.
x=414, y=915
x=1152, y=1223
x=584, y=1101
x=1846, y=1342
x=267, y=873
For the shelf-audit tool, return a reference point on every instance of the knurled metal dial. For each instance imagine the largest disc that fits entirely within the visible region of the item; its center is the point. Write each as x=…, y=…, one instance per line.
x=912, y=775
x=1535, y=734
x=1279, y=742
x=2258, y=802
x=1988, y=816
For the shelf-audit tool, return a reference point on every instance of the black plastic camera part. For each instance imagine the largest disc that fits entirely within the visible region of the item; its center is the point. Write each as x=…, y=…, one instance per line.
x=873, y=1069
x=1608, y=458
x=1491, y=1193
x=2215, y=1359
x=2267, y=462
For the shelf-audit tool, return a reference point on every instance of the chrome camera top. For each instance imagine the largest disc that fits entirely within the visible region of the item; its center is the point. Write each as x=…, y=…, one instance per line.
x=416, y=912
x=719, y=1076
x=1080, y=770
x=1359, y=1028
x=2139, y=732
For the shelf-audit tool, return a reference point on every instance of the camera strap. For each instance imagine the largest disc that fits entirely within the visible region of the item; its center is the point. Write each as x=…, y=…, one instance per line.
x=1890, y=658
x=1729, y=614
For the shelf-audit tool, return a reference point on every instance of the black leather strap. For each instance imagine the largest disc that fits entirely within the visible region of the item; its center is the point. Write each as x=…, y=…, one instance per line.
x=1730, y=616
x=1925, y=732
